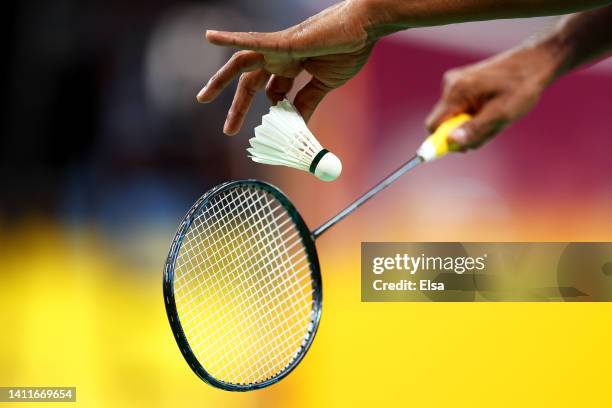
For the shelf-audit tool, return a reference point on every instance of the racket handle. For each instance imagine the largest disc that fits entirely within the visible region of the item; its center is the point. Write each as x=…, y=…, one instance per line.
x=436, y=145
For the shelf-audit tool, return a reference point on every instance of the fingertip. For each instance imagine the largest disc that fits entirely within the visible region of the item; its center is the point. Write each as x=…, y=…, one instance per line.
x=231, y=127
x=201, y=96
x=434, y=118
x=228, y=131
x=430, y=124
x=216, y=37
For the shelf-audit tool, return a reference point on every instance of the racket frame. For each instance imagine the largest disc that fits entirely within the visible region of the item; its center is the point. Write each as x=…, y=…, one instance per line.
x=308, y=240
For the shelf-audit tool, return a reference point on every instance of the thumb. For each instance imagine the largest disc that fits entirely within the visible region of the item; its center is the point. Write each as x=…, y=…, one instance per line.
x=309, y=97
x=483, y=126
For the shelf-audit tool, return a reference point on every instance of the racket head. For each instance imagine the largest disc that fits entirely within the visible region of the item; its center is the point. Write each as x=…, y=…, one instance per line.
x=171, y=298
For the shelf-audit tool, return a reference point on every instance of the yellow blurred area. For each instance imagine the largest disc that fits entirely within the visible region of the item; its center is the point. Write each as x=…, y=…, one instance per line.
x=76, y=314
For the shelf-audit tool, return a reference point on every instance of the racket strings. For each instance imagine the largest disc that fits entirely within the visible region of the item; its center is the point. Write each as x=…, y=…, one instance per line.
x=238, y=257
x=251, y=296
x=238, y=266
x=270, y=229
x=190, y=240
x=243, y=287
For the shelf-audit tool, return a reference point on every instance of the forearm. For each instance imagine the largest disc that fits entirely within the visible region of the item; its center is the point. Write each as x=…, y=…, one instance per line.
x=387, y=16
x=575, y=40
x=503, y=88
x=581, y=38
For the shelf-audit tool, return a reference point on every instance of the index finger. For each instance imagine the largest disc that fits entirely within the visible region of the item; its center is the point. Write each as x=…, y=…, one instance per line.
x=444, y=109
x=261, y=42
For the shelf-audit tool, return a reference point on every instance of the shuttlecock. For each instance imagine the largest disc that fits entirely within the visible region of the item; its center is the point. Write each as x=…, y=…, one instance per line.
x=283, y=139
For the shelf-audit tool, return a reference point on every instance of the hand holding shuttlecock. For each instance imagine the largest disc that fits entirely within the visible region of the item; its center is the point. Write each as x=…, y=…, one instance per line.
x=283, y=139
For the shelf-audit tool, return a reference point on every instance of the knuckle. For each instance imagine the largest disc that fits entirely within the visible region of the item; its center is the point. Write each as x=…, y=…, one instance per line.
x=236, y=112
x=450, y=76
x=453, y=80
x=244, y=78
x=235, y=56
x=250, y=91
x=241, y=54
x=247, y=84
x=239, y=57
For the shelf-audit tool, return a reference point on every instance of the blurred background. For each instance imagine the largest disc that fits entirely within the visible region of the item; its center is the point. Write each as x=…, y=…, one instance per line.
x=104, y=148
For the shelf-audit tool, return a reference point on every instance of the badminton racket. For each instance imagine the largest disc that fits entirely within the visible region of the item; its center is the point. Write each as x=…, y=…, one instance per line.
x=242, y=284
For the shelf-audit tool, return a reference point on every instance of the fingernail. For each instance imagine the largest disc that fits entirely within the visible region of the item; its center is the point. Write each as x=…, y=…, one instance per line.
x=458, y=135
x=200, y=95
x=226, y=129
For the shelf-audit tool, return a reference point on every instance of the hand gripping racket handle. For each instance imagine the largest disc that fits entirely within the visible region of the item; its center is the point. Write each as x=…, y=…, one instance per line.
x=433, y=147
x=436, y=145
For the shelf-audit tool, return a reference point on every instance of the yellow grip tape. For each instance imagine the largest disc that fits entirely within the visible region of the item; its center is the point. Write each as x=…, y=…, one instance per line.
x=439, y=138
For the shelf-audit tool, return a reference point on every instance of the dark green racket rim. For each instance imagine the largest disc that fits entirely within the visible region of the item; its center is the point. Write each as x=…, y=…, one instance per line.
x=168, y=283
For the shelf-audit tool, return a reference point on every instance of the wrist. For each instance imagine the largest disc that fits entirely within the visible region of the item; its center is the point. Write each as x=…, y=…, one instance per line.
x=376, y=18
x=554, y=53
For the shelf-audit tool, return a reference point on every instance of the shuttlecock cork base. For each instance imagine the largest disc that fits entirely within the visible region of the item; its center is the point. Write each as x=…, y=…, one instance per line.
x=283, y=139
